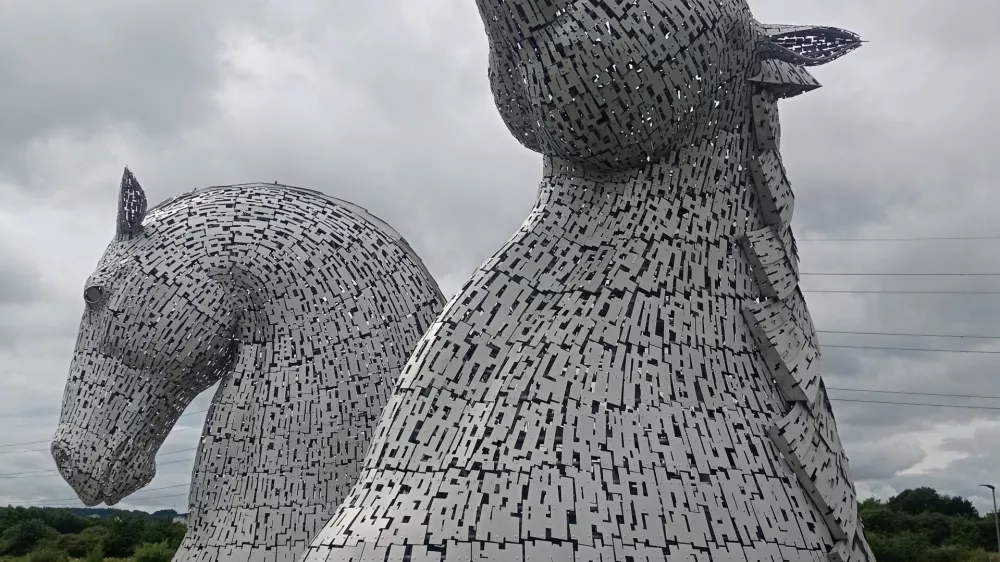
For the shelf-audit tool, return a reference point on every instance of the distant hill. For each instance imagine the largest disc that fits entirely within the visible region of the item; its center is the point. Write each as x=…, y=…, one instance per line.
x=109, y=512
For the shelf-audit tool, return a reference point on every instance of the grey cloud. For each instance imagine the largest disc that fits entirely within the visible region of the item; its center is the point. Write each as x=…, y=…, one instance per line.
x=958, y=31
x=397, y=116
x=49, y=321
x=963, y=476
x=893, y=147
x=69, y=66
x=838, y=362
x=22, y=479
x=863, y=416
x=425, y=146
x=902, y=25
x=945, y=373
x=882, y=460
x=20, y=280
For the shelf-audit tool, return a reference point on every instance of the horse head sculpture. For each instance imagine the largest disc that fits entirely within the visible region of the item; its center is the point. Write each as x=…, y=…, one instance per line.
x=634, y=374
x=618, y=84
x=154, y=335
x=303, y=308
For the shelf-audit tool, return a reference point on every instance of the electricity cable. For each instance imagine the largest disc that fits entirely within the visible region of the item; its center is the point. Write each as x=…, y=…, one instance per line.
x=909, y=334
x=36, y=502
x=907, y=274
x=904, y=239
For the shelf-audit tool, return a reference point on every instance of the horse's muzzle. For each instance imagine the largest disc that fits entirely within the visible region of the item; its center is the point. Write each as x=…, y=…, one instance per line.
x=98, y=471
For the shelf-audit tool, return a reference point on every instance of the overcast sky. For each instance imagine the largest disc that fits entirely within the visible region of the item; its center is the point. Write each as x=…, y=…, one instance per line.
x=387, y=104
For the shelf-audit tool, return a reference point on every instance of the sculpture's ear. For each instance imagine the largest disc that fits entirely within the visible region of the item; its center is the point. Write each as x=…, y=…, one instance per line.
x=807, y=45
x=131, y=206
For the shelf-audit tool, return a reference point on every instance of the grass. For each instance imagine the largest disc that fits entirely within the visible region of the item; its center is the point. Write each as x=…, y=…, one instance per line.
x=25, y=559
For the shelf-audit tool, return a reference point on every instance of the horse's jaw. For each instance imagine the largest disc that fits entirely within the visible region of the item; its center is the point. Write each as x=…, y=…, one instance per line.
x=107, y=439
x=99, y=470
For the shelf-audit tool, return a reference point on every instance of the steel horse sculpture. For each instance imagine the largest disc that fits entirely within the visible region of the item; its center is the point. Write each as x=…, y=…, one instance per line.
x=634, y=375
x=302, y=307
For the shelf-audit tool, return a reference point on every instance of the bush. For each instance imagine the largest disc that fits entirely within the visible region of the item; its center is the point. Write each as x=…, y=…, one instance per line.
x=898, y=547
x=96, y=553
x=48, y=554
x=81, y=544
x=22, y=537
x=983, y=556
x=164, y=530
x=948, y=554
x=124, y=534
x=63, y=521
x=155, y=552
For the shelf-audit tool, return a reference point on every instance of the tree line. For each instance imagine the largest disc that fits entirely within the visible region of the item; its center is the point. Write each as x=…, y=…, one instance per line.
x=918, y=525
x=58, y=535
x=922, y=525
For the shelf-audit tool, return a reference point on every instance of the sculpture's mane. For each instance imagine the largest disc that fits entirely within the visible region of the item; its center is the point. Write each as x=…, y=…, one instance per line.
x=321, y=197
x=300, y=190
x=785, y=53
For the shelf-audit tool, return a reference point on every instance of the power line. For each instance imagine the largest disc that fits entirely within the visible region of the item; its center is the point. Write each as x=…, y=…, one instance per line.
x=36, y=502
x=49, y=472
x=912, y=239
x=25, y=443
x=909, y=334
x=175, y=430
x=56, y=413
x=983, y=396
x=178, y=451
x=130, y=498
x=855, y=400
x=23, y=474
x=960, y=406
x=908, y=274
x=190, y=459
x=978, y=351
x=894, y=292
x=23, y=451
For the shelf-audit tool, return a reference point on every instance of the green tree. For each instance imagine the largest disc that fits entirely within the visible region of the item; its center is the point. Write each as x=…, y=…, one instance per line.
x=928, y=500
x=48, y=554
x=960, y=507
x=124, y=535
x=880, y=518
x=155, y=552
x=63, y=521
x=96, y=553
x=165, y=531
x=20, y=538
x=935, y=528
x=81, y=544
x=897, y=547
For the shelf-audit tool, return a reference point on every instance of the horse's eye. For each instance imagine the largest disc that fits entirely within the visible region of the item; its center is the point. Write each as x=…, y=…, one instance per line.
x=93, y=294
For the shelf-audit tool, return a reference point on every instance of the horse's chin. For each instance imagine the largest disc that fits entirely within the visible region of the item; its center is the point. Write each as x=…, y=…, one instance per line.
x=96, y=484
x=113, y=495
x=125, y=478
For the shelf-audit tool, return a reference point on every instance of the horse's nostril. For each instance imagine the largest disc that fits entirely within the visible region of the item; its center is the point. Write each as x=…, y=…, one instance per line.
x=61, y=455
x=76, y=470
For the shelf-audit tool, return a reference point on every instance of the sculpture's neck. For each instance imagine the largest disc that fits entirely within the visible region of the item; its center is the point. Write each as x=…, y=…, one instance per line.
x=706, y=159
x=662, y=229
x=281, y=410
x=672, y=194
x=327, y=303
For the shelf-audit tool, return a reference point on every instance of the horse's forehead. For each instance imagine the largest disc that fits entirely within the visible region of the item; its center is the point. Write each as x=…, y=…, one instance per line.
x=116, y=260
x=704, y=8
